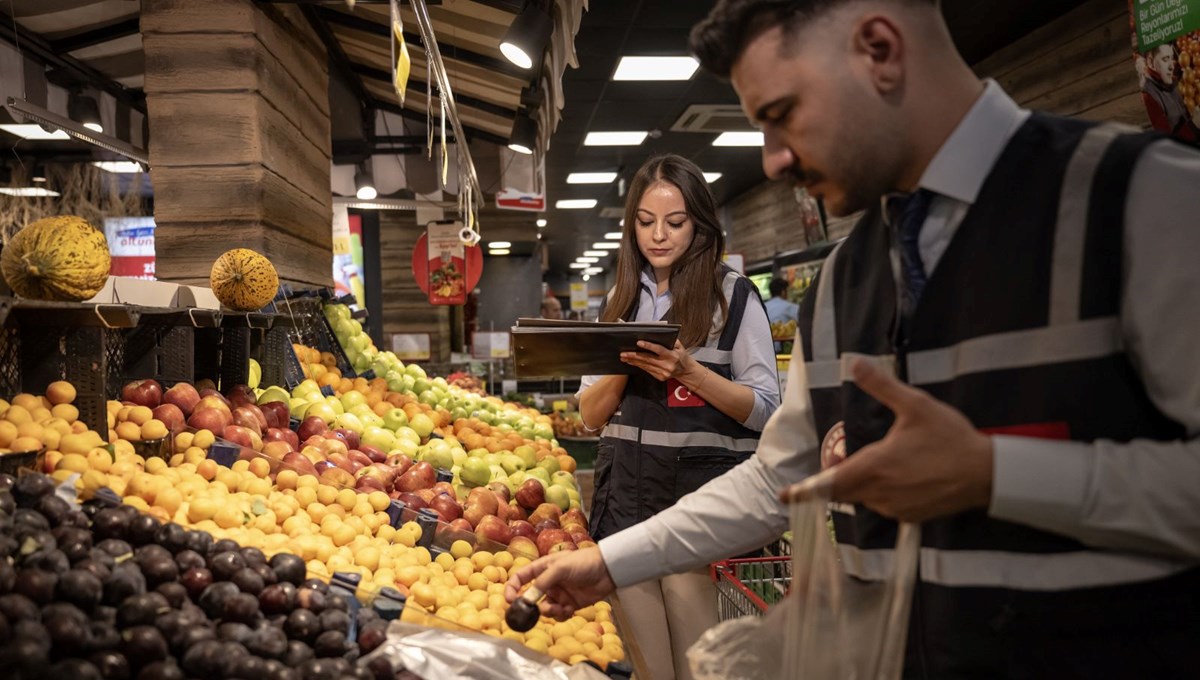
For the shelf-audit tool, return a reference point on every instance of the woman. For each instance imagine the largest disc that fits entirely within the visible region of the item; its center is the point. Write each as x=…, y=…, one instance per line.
x=686, y=414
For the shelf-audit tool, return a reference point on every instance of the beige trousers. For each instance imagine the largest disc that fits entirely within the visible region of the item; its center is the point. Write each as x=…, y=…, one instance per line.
x=666, y=617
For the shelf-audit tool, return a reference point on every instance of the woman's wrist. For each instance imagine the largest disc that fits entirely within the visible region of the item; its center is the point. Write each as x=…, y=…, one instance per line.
x=695, y=376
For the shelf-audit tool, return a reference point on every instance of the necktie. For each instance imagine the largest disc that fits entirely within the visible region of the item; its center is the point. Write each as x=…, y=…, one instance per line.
x=908, y=212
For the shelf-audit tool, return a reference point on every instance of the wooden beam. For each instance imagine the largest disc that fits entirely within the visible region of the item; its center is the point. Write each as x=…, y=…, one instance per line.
x=337, y=57
x=472, y=133
x=97, y=36
x=418, y=86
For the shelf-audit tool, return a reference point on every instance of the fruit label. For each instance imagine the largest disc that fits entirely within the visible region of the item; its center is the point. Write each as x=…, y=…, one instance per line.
x=680, y=396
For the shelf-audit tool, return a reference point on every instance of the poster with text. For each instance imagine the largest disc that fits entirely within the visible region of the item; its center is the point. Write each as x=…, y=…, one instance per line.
x=131, y=246
x=1166, y=55
x=348, y=255
x=447, y=264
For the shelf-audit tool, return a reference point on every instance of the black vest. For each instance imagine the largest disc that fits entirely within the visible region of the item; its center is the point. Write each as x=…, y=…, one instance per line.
x=1018, y=328
x=651, y=454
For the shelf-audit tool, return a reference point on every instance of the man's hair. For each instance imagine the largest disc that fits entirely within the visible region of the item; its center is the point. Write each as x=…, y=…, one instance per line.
x=778, y=287
x=719, y=39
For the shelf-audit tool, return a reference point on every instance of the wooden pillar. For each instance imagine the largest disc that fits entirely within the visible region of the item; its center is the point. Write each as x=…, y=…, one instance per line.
x=237, y=94
x=405, y=308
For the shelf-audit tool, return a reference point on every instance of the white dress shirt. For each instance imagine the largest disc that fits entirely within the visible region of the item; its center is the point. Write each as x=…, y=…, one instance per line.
x=1141, y=496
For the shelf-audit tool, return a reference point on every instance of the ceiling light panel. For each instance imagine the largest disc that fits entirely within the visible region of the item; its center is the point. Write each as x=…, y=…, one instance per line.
x=575, y=204
x=656, y=68
x=31, y=131
x=606, y=245
x=499, y=244
x=711, y=177
x=578, y=265
x=595, y=253
x=593, y=270
x=591, y=177
x=587, y=260
x=614, y=138
x=541, y=223
x=739, y=139
x=27, y=192
x=613, y=236
x=119, y=167
x=499, y=251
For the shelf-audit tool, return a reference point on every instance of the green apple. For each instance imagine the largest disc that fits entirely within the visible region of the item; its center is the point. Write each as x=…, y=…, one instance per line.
x=395, y=382
x=362, y=411
x=498, y=472
x=492, y=459
x=395, y=419
x=420, y=385
x=558, y=496
x=351, y=399
x=462, y=491
x=415, y=371
x=478, y=453
x=306, y=387
x=297, y=407
x=428, y=397
x=409, y=382
x=527, y=454
x=422, y=425
x=563, y=479
x=511, y=463
x=350, y=422
x=538, y=473
x=574, y=505
x=517, y=477
x=274, y=394
x=322, y=410
x=408, y=434
x=573, y=493
x=459, y=455
x=335, y=404
x=458, y=413
x=543, y=431
x=380, y=438
x=438, y=458
x=475, y=472
x=549, y=464
x=405, y=446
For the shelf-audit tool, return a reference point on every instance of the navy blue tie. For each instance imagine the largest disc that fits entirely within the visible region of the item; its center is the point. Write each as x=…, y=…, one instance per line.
x=908, y=213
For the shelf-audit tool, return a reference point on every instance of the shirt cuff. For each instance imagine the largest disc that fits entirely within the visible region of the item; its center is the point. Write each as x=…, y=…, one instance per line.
x=1039, y=482
x=629, y=556
x=760, y=413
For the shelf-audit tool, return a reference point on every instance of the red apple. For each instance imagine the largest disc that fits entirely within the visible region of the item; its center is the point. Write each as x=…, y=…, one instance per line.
x=492, y=528
x=171, y=416
x=501, y=490
x=360, y=458
x=531, y=494
x=143, y=393
x=549, y=538
x=577, y=535
x=240, y=395
x=314, y=441
x=426, y=495
x=216, y=402
x=276, y=434
x=341, y=460
x=516, y=512
x=586, y=544
x=385, y=473
x=207, y=392
x=349, y=436
x=401, y=463
x=572, y=516
x=420, y=476
x=184, y=396
x=296, y=461
x=311, y=426
x=368, y=484
x=323, y=466
x=276, y=413
x=205, y=384
x=447, y=508
x=209, y=419
x=523, y=545
x=485, y=498
x=375, y=454
x=560, y=547
x=522, y=528
x=545, y=525
x=444, y=487
x=238, y=435
x=412, y=500
x=243, y=416
x=543, y=512
x=462, y=525
x=277, y=449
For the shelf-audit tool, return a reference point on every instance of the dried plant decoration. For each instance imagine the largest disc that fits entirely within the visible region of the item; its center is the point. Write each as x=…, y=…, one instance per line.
x=84, y=190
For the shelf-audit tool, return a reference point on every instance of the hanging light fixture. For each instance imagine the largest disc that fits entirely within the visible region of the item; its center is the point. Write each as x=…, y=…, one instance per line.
x=364, y=183
x=524, y=134
x=527, y=36
x=84, y=110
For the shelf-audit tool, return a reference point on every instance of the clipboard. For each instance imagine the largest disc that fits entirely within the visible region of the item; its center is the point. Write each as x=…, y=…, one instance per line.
x=545, y=348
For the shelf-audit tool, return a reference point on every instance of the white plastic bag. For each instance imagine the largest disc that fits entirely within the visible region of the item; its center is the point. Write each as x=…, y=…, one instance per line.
x=831, y=625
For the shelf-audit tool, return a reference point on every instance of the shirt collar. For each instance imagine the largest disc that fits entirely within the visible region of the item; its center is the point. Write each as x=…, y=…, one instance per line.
x=960, y=167
x=649, y=280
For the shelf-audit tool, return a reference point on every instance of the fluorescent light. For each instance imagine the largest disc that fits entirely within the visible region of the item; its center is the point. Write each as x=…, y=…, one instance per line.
x=614, y=138
x=711, y=177
x=119, y=167
x=586, y=277
x=27, y=191
x=595, y=253
x=575, y=204
x=587, y=260
x=577, y=265
x=591, y=177
x=31, y=131
x=739, y=139
x=499, y=251
x=606, y=245
x=593, y=270
x=613, y=236
x=656, y=68
x=499, y=244
x=94, y=127
x=541, y=223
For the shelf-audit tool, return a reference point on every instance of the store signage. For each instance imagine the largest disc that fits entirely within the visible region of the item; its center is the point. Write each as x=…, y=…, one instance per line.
x=490, y=345
x=348, y=268
x=511, y=199
x=131, y=246
x=447, y=264
x=1167, y=61
x=579, y=297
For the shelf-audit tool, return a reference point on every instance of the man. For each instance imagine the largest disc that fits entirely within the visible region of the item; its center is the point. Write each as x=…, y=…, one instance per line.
x=1035, y=280
x=551, y=307
x=1160, y=92
x=780, y=309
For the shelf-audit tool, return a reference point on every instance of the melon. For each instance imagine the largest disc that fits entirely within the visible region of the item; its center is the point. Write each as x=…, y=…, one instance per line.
x=56, y=258
x=244, y=280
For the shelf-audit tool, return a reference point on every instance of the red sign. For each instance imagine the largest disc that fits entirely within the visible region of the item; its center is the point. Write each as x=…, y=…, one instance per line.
x=678, y=395
x=447, y=285
x=511, y=199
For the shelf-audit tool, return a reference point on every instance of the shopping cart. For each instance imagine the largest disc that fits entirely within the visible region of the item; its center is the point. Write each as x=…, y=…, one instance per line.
x=747, y=586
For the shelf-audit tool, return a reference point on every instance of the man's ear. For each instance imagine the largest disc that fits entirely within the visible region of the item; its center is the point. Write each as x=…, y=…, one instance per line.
x=877, y=39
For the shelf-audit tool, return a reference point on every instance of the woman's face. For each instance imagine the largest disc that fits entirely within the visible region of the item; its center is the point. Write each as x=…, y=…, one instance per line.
x=663, y=228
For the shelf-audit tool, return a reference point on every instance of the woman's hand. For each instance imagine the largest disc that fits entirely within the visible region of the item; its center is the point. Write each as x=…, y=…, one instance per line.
x=663, y=363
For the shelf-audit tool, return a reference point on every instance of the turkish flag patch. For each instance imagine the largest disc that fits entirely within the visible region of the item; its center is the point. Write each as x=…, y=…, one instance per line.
x=678, y=395
x=1059, y=430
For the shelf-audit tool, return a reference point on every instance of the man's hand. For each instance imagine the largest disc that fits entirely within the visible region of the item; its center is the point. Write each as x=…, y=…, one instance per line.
x=571, y=580
x=663, y=363
x=932, y=463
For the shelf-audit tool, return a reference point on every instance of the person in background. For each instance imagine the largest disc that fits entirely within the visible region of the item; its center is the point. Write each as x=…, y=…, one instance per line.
x=1018, y=376
x=1165, y=104
x=687, y=413
x=551, y=308
x=780, y=309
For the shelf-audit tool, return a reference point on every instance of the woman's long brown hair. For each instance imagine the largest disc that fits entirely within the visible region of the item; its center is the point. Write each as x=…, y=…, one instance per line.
x=696, y=276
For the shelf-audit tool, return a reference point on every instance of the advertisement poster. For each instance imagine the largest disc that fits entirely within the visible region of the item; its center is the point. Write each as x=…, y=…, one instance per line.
x=579, y=297
x=348, y=255
x=1166, y=44
x=447, y=264
x=131, y=245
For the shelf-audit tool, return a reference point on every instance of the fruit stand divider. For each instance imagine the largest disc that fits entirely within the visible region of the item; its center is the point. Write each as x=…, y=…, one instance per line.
x=163, y=344
x=305, y=314
x=223, y=352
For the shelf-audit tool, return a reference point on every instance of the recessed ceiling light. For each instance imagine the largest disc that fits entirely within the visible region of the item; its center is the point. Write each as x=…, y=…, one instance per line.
x=739, y=139
x=591, y=177
x=577, y=265
x=613, y=236
x=575, y=204
x=27, y=191
x=711, y=177
x=606, y=245
x=119, y=167
x=586, y=277
x=32, y=131
x=499, y=244
x=587, y=260
x=499, y=251
x=595, y=253
x=614, y=138
x=656, y=68
x=593, y=270
x=541, y=223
